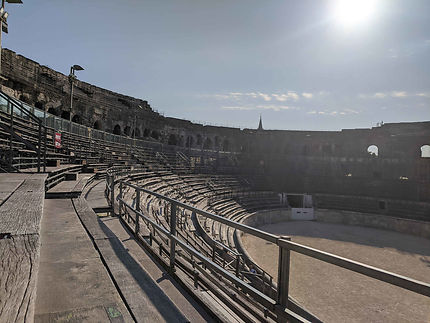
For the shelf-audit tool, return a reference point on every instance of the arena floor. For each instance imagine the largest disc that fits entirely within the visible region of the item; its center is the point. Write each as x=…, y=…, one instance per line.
x=337, y=295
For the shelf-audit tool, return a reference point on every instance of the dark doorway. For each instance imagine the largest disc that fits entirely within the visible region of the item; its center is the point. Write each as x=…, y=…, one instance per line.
x=117, y=130
x=77, y=119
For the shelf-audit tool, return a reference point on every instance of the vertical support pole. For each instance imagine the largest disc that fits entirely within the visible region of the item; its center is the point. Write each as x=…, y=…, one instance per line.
x=44, y=148
x=11, y=135
x=196, y=278
x=71, y=76
x=112, y=194
x=119, y=201
x=173, y=208
x=39, y=142
x=137, y=229
x=213, y=253
x=237, y=265
x=88, y=149
x=283, y=274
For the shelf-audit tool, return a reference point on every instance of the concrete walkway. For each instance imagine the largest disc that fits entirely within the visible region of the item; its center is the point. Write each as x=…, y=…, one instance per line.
x=151, y=298
x=96, y=197
x=149, y=278
x=73, y=284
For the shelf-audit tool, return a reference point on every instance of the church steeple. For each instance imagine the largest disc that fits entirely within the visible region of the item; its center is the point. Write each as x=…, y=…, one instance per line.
x=260, y=124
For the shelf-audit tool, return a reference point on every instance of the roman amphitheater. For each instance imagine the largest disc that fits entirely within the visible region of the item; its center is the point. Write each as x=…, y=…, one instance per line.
x=113, y=212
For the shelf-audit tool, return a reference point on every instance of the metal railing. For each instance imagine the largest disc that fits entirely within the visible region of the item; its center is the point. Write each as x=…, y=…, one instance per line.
x=15, y=108
x=280, y=305
x=60, y=124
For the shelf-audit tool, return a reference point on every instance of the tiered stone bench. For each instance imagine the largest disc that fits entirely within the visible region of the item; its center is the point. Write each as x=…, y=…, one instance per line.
x=20, y=215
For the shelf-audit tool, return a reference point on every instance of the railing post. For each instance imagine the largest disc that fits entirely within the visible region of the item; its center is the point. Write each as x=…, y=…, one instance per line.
x=283, y=274
x=11, y=135
x=44, y=149
x=196, y=278
x=119, y=200
x=213, y=253
x=137, y=229
x=173, y=208
x=237, y=265
x=39, y=142
x=112, y=194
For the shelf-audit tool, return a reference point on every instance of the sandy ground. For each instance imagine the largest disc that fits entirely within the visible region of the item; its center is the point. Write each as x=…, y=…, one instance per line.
x=337, y=295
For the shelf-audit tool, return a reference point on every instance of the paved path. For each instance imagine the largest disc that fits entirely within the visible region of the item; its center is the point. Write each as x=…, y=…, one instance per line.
x=20, y=216
x=73, y=284
x=150, y=277
x=95, y=195
x=338, y=295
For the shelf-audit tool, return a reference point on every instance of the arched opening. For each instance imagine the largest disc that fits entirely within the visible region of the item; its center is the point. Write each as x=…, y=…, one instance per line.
x=117, y=130
x=77, y=118
x=225, y=145
x=39, y=105
x=216, y=142
x=24, y=98
x=373, y=150
x=199, y=140
x=425, y=151
x=181, y=141
x=207, y=144
x=136, y=133
x=65, y=115
x=146, y=132
x=53, y=111
x=127, y=131
x=173, y=140
x=155, y=134
x=97, y=125
x=189, y=142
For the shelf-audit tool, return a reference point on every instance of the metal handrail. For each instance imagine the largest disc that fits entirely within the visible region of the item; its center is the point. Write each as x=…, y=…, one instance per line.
x=263, y=299
x=242, y=227
x=413, y=285
x=42, y=131
x=285, y=247
x=106, y=136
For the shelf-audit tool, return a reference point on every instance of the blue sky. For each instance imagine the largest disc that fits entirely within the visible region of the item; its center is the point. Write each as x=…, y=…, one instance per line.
x=227, y=62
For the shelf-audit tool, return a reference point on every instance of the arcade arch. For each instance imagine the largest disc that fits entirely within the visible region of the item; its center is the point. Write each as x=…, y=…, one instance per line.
x=117, y=130
x=425, y=151
x=373, y=150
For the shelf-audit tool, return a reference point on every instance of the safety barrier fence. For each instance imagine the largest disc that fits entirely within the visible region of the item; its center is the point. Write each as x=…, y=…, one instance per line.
x=57, y=124
x=279, y=304
x=17, y=108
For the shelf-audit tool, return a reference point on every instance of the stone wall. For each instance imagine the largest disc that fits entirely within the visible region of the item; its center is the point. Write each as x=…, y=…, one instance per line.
x=412, y=227
x=333, y=162
x=102, y=109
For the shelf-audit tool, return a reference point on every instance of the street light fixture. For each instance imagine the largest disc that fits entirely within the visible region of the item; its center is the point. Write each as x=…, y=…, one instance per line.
x=3, y=22
x=72, y=79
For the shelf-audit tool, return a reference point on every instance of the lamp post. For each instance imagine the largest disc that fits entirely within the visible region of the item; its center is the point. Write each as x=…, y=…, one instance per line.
x=72, y=78
x=3, y=22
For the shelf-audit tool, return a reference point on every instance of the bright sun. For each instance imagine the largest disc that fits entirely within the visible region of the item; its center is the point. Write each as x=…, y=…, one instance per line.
x=353, y=12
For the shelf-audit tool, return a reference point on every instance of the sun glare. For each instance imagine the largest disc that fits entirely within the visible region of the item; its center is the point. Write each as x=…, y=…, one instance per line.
x=353, y=12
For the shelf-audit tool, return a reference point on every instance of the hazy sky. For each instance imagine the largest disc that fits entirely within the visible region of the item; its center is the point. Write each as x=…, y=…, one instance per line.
x=225, y=62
